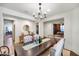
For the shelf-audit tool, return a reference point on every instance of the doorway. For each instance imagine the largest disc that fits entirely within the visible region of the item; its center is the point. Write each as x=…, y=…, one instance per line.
x=9, y=31
x=58, y=29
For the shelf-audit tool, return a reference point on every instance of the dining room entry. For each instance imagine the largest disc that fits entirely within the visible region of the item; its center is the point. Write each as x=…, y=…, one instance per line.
x=9, y=31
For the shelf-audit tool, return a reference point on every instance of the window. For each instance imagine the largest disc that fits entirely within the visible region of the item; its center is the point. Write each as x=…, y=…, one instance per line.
x=62, y=28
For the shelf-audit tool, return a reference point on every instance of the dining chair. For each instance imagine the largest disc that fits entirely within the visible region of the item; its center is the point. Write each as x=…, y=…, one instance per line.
x=4, y=51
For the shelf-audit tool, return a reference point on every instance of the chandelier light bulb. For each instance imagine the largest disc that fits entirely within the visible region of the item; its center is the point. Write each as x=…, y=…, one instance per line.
x=48, y=10
x=45, y=12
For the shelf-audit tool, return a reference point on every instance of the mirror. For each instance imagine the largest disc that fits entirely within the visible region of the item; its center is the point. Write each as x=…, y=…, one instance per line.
x=26, y=27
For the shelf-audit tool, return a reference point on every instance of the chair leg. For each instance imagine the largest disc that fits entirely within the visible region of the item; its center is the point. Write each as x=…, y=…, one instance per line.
x=61, y=54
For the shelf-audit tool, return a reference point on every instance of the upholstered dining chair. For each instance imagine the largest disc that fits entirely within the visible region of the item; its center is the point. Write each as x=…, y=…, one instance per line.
x=4, y=51
x=27, y=39
x=57, y=49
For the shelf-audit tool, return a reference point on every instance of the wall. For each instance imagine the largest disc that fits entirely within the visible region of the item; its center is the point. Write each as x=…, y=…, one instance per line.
x=19, y=24
x=19, y=27
x=20, y=20
x=48, y=26
x=72, y=30
x=1, y=28
x=68, y=30
x=48, y=29
x=75, y=30
x=71, y=33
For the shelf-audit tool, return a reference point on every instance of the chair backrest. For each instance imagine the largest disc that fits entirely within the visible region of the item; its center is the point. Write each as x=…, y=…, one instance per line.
x=36, y=37
x=4, y=51
x=57, y=49
x=27, y=39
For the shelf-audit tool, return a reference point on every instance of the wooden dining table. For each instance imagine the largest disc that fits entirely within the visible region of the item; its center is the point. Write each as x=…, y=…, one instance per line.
x=35, y=51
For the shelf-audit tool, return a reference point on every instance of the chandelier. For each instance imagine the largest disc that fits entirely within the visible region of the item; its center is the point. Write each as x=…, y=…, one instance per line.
x=40, y=15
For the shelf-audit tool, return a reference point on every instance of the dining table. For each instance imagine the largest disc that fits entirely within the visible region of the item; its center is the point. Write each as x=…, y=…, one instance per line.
x=34, y=49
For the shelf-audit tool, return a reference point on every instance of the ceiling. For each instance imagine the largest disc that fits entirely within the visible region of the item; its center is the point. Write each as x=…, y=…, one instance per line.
x=30, y=8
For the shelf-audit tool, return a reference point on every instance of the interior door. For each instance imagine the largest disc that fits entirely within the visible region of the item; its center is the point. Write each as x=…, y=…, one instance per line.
x=9, y=31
